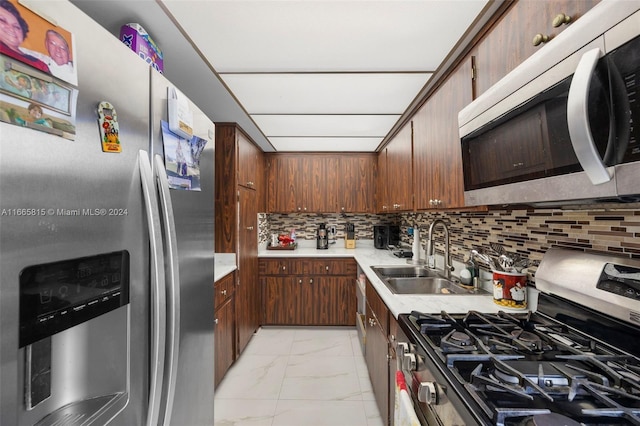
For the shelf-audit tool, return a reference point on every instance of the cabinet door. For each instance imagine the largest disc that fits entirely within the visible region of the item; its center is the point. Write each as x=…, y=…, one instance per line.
x=284, y=183
x=400, y=171
x=510, y=40
x=355, y=177
x=436, y=144
x=376, y=358
x=320, y=184
x=248, y=159
x=382, y=187
x=224, y=338
x=283, y=301
x=333, y=300
x=248, y=295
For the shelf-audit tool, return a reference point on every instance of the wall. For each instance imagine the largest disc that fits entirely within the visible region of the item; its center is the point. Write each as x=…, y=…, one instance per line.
x=529, y=231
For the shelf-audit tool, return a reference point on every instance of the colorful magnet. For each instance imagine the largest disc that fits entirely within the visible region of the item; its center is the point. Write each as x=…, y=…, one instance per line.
x=108, y=120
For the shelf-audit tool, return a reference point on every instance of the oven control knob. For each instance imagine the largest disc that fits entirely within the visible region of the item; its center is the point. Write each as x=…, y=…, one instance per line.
x=427, y=393
x=402, y=348
x=409, y=362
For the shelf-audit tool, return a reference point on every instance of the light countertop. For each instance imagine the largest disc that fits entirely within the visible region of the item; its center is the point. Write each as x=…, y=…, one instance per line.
x=366, y=255
x=224, y=264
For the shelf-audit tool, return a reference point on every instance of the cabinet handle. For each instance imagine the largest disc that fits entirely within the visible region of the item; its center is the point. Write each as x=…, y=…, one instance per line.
x=384, y=207
x=215, y=321
x=224, y=292
x=249, y=228
x=250, y=183
x=538, y=39
x=561, y=19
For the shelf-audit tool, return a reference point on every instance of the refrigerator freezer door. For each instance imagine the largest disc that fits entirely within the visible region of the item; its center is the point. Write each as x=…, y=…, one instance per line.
x=105, y=359
x=193, y=213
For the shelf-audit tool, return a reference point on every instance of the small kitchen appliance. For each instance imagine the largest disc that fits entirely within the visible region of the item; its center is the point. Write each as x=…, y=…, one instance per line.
x=322, y=240
x=350, y=236
x=571, y=362
x=385, y=236
x=573, y=108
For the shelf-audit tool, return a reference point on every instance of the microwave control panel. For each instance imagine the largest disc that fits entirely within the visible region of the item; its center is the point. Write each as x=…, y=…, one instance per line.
x=57, y=296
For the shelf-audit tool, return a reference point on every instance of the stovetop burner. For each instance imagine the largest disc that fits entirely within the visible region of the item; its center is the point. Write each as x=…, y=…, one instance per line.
x=528, y=369
x=551, y=419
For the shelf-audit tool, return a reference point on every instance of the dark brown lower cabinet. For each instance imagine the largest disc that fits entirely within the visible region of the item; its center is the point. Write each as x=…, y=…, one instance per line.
x=224, y=327
x=376, y=350
x=306, y=291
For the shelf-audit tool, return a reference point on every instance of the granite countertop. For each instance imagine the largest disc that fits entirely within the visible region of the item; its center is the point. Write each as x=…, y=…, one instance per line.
x=224, y=264
x=366, y=255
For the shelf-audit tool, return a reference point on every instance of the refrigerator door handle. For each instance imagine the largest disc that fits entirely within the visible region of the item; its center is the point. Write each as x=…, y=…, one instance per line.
x=158, y=300
x=173, y=286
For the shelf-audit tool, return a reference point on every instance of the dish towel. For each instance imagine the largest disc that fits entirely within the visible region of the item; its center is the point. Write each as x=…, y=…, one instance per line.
x=405, y=414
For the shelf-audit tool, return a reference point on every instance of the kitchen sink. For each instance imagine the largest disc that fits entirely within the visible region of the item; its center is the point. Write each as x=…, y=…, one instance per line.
x=404, y=271
x=421, y=280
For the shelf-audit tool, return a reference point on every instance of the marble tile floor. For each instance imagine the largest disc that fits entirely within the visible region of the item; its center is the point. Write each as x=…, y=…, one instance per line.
x=294, y=376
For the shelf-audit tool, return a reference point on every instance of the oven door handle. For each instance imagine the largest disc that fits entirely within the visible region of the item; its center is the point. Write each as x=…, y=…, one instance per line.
x=578, y=119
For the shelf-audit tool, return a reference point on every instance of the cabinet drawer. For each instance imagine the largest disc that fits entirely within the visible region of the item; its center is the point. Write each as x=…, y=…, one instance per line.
x=276, y=267
x=332, y=267
x=223, y=290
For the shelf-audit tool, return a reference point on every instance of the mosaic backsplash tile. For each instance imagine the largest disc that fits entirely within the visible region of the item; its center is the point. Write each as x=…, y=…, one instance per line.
x=526, y=231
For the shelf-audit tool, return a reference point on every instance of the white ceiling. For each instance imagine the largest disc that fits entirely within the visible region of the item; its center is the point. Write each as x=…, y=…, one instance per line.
x=325, y=75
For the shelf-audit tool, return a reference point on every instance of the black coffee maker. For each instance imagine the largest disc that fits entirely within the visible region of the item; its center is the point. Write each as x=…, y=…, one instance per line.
x=322, y=241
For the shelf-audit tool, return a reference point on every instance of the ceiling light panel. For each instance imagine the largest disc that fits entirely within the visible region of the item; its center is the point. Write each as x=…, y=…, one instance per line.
x=310, y=35
x=325, y=93
x=323, y=144
x=325, y=125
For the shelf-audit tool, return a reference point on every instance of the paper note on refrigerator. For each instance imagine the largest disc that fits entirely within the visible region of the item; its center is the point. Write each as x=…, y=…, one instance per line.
x=182, y=159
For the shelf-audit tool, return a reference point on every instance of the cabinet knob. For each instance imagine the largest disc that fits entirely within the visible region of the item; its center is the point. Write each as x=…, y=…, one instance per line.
x=284, y=268
x=249, y=228
x=224, y=292
x=342, y=209
x=384, y=207
x=215, y=321
x=299, y=209
x=561, y=19
x=538, y=39
x=300, y=281
x=311, y=281
x=326, y=267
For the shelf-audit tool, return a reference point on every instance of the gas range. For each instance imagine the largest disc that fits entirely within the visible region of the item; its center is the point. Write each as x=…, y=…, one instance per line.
x=564, y=364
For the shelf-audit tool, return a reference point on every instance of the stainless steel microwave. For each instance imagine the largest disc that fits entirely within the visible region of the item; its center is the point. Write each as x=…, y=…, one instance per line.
x=564, y=126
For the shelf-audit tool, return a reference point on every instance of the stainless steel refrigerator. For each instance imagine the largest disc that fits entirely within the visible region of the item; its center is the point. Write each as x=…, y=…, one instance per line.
x=106, y=274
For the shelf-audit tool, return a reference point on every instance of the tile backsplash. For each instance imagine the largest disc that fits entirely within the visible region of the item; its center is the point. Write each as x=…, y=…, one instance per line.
x=527, y=231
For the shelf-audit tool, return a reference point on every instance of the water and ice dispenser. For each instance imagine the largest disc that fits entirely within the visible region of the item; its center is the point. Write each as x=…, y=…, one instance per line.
x=74, y=331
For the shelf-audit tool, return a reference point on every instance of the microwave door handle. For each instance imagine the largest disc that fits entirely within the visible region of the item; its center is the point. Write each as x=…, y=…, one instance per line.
x=173, y=287
x=578, y=119
x=158, y=301
x=621, y=117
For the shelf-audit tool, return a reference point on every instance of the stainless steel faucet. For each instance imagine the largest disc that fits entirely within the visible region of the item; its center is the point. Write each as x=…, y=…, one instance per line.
x=448, y=267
